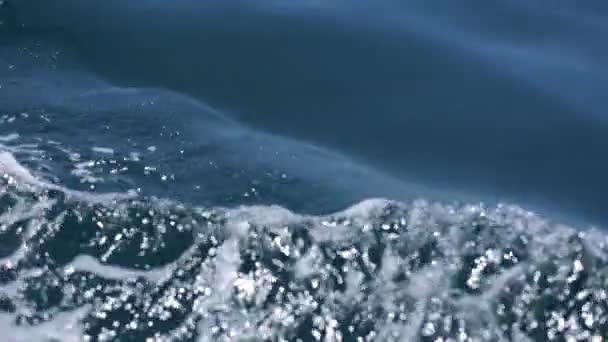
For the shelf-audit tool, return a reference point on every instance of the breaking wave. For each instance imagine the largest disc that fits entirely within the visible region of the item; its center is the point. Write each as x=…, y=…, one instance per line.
x=133, y=210
x=131, y=267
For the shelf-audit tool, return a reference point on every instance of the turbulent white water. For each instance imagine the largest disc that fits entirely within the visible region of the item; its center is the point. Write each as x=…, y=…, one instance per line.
x=286, y=171
x=130, y=269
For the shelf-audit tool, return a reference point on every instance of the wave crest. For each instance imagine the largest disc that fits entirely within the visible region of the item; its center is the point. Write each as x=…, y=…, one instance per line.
x=139, y=268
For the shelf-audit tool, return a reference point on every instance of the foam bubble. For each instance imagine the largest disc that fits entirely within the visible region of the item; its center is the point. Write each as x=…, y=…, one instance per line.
x=65, y=326
x=103, y=150
x=89, y=264
x=19, y=174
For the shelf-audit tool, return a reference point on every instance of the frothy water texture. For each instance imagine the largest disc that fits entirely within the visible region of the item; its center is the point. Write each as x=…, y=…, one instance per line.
x=144, y=268
x=158, y=185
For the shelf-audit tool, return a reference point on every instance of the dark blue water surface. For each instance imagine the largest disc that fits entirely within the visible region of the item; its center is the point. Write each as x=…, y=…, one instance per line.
x=211, y=170
x=503, y=100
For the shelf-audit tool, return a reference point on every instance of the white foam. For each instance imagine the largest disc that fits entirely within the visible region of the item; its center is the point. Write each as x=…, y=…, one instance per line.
x=226, y=268
x=64, y=326
x=86, y=263
x=219, y=278
x=81, y=170
x=12, y=168
x=103, y=150
x=269, y=216
x=366, y=208
x=9, y=137
x=33, y=214
x=422, y=285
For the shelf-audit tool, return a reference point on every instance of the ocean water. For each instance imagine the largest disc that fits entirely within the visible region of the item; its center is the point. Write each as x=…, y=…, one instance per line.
x=303, y=170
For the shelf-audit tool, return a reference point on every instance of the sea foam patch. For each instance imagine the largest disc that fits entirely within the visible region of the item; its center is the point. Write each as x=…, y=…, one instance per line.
x=380, y=270
x=85, y=265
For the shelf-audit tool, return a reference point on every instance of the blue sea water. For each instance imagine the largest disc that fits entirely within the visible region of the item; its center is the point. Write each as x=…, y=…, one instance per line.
x=303, y=170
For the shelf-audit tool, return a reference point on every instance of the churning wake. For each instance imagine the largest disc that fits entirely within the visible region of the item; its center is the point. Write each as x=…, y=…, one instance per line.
x=137, y=268
x=297, y=172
